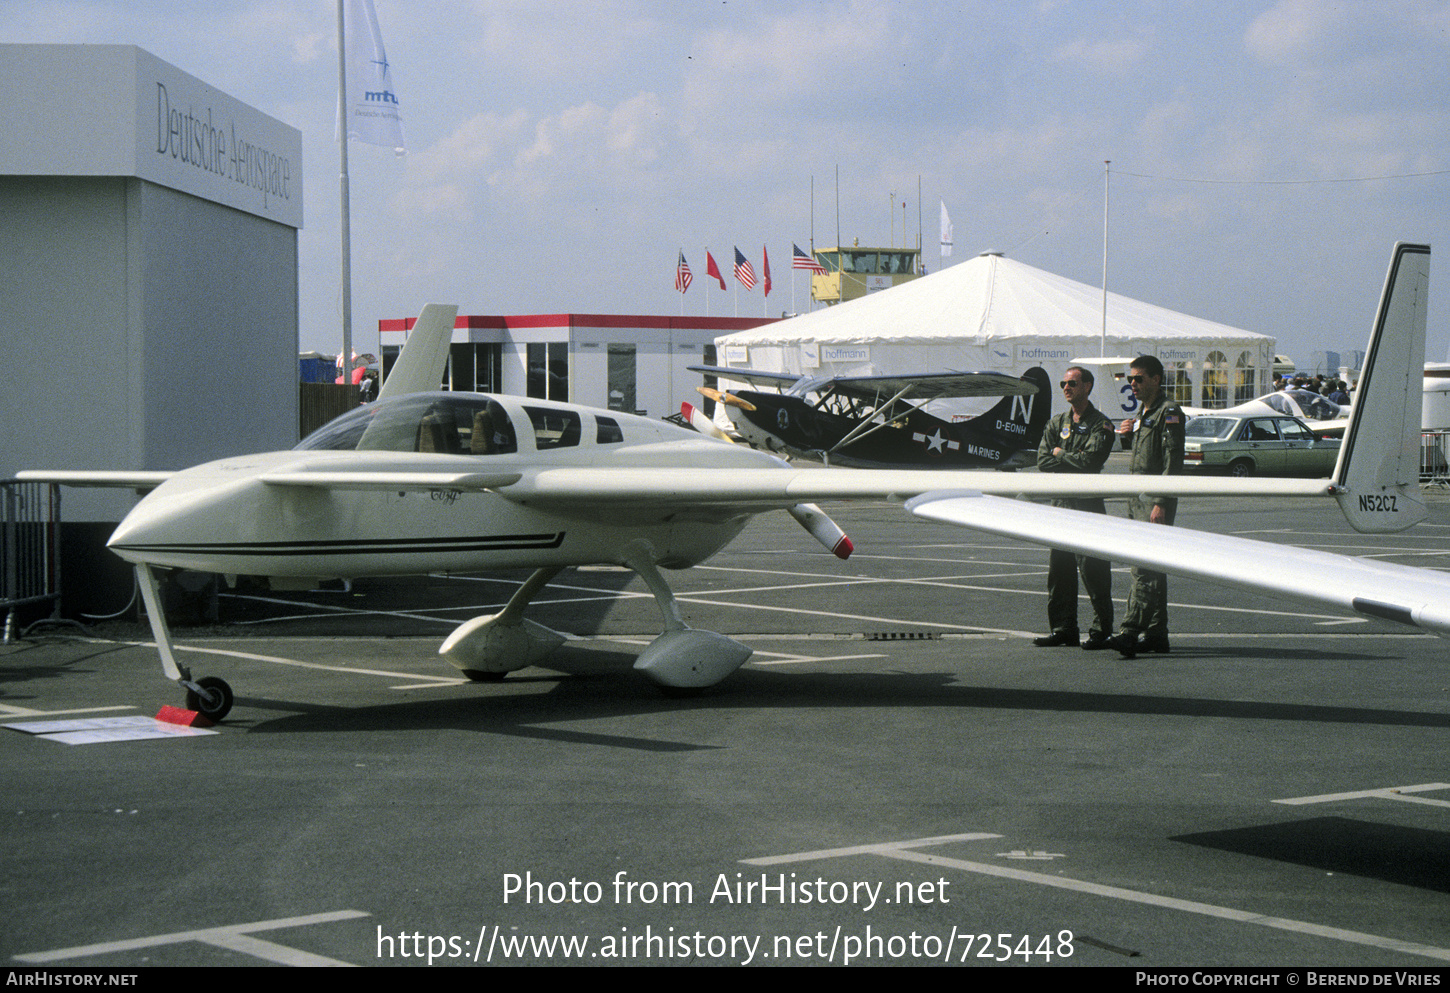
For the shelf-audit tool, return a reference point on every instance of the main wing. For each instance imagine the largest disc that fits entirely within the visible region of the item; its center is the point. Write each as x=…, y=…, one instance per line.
x=759, y=489
x=1419, y=597
x=923, y=386
x=1376, y=483
x=126, y=479
x=755, y=377
x=931, y=386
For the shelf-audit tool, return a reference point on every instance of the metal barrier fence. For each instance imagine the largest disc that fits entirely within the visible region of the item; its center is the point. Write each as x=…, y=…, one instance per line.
x=29, y=547
x=1435, y=457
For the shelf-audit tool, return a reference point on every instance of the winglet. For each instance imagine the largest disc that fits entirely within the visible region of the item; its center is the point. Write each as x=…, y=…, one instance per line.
x=1377, y=478
x=420, y=367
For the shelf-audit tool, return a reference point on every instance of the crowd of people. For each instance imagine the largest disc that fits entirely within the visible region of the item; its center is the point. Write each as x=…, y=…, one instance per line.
x=1333, y=390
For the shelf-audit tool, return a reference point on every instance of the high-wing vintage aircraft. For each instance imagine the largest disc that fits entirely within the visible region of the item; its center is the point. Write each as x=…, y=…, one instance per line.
x=872, y=422
x=422, y=482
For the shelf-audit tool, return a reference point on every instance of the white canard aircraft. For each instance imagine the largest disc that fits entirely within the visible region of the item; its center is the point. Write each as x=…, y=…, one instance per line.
x=1324, y=417
x=425, y=482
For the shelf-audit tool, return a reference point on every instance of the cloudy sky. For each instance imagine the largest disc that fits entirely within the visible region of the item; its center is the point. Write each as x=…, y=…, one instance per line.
x=1265, y=155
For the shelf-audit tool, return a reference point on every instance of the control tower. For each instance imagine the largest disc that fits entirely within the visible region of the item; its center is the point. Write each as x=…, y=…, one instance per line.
x=855, y=271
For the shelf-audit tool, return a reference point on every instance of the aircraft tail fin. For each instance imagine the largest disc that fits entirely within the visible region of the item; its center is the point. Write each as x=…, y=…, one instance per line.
x=420, y=366
x=1018, y=421
x=1377, y=477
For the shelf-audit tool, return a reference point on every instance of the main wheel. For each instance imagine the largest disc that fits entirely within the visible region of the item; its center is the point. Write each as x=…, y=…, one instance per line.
x=215, y=703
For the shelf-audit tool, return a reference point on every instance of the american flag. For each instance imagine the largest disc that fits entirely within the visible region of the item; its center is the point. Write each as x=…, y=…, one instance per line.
x=744, y=271
x=800, y=260
x=682, y=275
x=765, y=256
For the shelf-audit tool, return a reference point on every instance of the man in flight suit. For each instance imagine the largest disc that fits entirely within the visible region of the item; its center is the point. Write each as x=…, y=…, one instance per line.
x=1157, y=450
x=1077, y=440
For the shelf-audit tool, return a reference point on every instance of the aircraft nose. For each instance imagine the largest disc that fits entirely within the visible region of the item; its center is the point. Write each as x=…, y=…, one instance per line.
x=151, y=527
x=177, y=527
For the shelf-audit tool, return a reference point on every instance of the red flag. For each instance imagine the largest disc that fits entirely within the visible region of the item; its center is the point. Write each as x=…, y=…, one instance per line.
x=711, y=269
x=766, y=256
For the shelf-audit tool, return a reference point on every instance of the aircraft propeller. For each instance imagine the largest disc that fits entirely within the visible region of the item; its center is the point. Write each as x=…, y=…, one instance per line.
x=696, y=418
x=808, y=515
x=729, y=399
x=823, y=529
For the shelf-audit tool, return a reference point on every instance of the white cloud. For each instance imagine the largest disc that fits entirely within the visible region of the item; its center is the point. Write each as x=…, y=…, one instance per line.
x=1115, y=57
x=636, y=126
x=1292, y=32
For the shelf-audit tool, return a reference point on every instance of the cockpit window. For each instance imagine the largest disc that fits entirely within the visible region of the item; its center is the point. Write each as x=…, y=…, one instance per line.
x=554, y=428
x=456, y=424
x=607, y=431
x=1315, y=406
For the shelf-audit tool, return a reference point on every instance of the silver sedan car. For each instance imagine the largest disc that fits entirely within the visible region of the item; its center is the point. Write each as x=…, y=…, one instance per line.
x=1246, y=446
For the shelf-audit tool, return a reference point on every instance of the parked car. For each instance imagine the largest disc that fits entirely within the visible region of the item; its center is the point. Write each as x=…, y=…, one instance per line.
x=1247, y=445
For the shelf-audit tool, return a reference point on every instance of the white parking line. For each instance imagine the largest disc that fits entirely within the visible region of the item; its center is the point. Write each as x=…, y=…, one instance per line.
x=235, y=937
x=851, y=617
x=905, y=851
x=7, y=710
x=795, y=659
x=878, y=848
x=279, y=660
x=1173, y=903
x=1401, y=793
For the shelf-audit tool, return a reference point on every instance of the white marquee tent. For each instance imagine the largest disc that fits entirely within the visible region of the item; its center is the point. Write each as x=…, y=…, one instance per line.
x=1000, y=314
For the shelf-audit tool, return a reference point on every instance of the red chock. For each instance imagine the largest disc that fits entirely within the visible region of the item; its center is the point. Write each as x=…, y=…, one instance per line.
x=186, y=718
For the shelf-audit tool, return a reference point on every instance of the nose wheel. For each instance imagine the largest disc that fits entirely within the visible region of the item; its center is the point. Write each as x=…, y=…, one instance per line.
x=212, y=697
x=208, y=696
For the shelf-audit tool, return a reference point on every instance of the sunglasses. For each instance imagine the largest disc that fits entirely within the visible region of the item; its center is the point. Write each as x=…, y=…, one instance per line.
x=1137, y=379
x=1069, y=382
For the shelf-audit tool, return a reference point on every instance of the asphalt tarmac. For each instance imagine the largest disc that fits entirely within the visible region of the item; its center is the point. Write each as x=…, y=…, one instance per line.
x=896, y=777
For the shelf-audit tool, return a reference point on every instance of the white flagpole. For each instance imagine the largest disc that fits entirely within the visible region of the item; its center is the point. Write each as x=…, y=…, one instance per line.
x=810, y=300
x=345, y=359
x=1103, y=341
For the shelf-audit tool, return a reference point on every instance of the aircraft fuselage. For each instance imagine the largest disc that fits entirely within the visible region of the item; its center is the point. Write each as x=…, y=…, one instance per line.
x=259, y=515
x=916, y=439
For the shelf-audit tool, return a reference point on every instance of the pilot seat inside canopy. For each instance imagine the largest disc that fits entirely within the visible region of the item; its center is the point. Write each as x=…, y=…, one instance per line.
x=425, y=422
